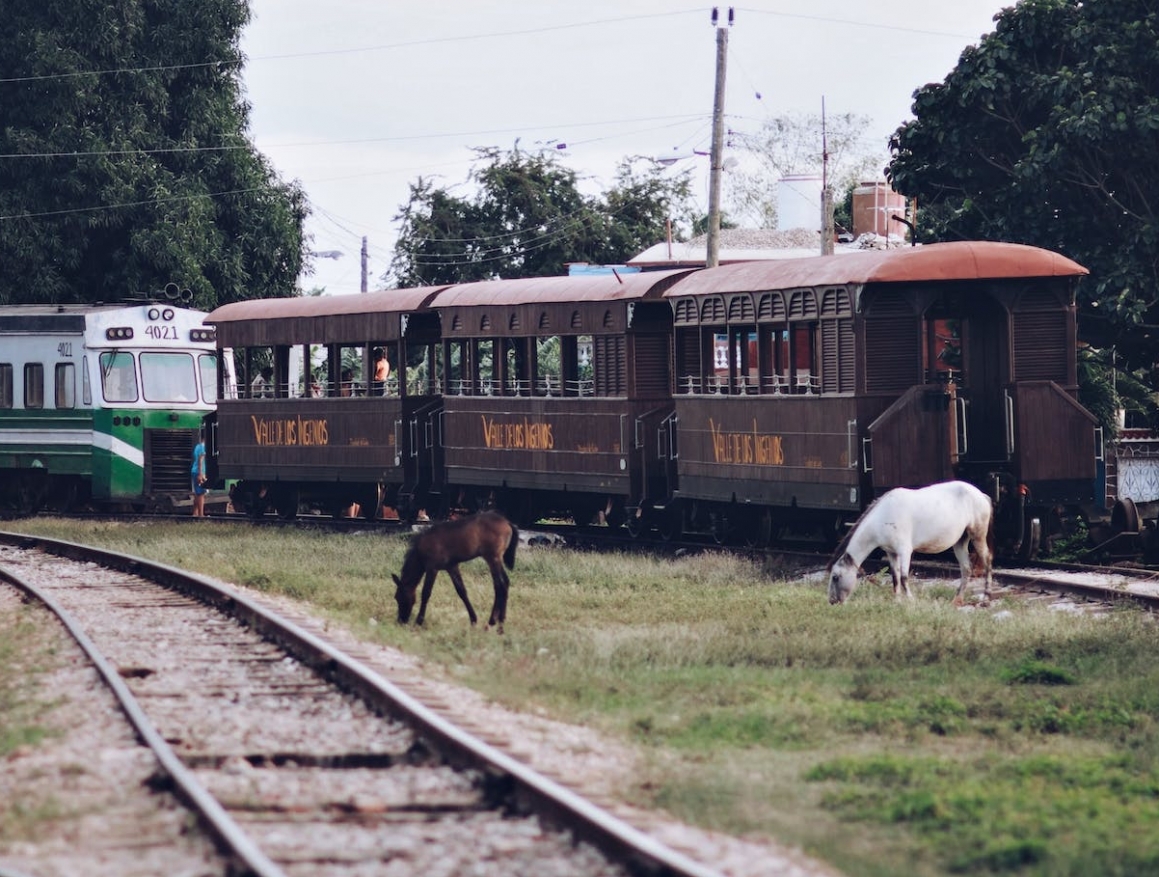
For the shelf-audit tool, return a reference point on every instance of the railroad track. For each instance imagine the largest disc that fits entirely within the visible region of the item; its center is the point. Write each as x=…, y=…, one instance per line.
x=295, y=757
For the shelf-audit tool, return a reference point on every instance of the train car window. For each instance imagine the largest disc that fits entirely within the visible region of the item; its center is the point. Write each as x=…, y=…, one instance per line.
x=687, y=361
x=424, y=376
x=516, y=367
x=33, y=385
x=118, y=377
x=458, y=369
x=806, y=375
x=548, y=366
x=6, y=400
x=585, y=377
x=485, y=367
x=942, y=352
x=168, y=377
x=86, y=386
x=743, y=344
x=207, y=371
x=258, y=372
x=64, y=384
x=345, y=371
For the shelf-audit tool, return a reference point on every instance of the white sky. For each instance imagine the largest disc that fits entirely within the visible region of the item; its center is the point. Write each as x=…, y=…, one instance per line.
x=356, y=99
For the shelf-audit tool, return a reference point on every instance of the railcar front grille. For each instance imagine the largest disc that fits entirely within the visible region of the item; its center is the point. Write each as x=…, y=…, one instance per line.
x=168, y=457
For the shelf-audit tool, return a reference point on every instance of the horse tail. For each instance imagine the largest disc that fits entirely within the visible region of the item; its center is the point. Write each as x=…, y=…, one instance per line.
x=991, y=542
x=509, y=554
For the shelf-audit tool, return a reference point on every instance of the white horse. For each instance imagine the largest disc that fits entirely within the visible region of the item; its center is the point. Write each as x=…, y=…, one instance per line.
x=952, y=514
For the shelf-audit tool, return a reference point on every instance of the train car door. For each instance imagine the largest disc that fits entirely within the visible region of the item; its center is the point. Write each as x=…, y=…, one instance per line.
x=986, y=372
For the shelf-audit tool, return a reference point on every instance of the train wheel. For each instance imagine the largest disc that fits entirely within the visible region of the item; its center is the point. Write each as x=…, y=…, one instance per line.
x=256, y=503
x=636, y=523
x=721, y=527
x=1125, y=517
x=286, y=503
x=759, y=531
x=671, y=525
x=371, y=503
x=614, y=514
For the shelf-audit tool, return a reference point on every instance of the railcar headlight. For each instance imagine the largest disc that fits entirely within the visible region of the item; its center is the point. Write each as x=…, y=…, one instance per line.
x=167, y=314
x=154, y=313
x=202, y=334
x=119, y=333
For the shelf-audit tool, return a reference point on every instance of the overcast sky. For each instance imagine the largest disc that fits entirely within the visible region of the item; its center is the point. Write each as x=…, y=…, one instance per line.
x=358, y=98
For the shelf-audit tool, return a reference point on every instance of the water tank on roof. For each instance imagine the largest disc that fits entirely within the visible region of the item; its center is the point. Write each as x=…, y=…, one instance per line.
x=873, y=204
x=799, y=202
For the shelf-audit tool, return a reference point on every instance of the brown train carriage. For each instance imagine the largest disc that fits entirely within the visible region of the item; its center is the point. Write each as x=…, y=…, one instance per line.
x=806, y=387
x=553, y=388
x=320, y=429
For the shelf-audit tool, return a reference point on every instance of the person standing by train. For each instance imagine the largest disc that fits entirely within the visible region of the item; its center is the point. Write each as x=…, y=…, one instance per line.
x=381, y=372
x=198, y=478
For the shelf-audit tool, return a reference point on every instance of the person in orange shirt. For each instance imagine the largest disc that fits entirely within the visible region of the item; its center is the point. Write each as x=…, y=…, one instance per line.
x=381, y=370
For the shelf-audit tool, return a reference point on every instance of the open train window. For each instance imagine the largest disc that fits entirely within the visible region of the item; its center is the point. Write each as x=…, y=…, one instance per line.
x=806, y=375
x=65, y=385
x=344, y=370
x=6, y=400
x=485, y=367
x=548, y=366
x=423, y=371
x=458, y=369
x=118, y=377
x=516, y=367
x=258, y=372
x=742, y=345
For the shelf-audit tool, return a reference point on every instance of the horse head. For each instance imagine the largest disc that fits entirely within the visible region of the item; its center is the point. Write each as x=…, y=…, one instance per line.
x=406, y=586
x=842, y=579
x=405, y=598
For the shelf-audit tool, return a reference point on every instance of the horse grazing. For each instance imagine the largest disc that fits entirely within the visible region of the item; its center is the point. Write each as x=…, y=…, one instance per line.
x=952, y=514
x=444, y=546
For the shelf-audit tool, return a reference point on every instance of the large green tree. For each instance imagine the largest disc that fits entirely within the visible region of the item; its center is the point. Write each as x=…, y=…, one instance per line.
x=1047, y=133
x=523, y=215
x=124, y=158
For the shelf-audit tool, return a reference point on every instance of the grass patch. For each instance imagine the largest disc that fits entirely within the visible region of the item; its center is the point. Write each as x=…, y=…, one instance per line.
x=885, y=738
x=27, y=652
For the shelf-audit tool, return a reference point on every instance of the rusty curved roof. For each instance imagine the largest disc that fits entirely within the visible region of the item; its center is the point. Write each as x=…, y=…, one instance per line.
x=538, y=290
x=382, y=301
x=957, y=260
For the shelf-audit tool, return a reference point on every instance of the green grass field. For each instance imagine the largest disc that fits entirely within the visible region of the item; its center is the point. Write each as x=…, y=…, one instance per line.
x=884, y=738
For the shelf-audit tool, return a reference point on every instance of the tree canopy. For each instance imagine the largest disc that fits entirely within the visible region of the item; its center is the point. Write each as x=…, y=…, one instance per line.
x=124, y=159
x=525, y=216
x=1047, y=133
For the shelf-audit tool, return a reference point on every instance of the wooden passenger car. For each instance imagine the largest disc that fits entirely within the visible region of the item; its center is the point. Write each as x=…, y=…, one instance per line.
x=553, y=387
x=321, y=430
x=806, y=387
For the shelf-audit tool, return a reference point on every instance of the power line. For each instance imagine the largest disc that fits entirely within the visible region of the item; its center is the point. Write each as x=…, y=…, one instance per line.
x=109, y=153
x=356, y=49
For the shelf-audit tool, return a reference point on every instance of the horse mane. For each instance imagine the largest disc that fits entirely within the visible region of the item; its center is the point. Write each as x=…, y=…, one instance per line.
x=844, y=543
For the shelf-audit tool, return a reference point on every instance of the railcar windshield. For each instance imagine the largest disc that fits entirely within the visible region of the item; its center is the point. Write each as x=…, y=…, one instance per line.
x=207, y=369
x=168, y=377
x=118, y=377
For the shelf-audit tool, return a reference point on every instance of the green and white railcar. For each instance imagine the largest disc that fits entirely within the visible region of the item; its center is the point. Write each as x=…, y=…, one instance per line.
x=102, y=403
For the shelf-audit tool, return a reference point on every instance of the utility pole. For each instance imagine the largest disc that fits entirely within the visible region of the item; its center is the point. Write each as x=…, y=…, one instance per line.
x=716, y=161
x=826, y=191
x=364, y=258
